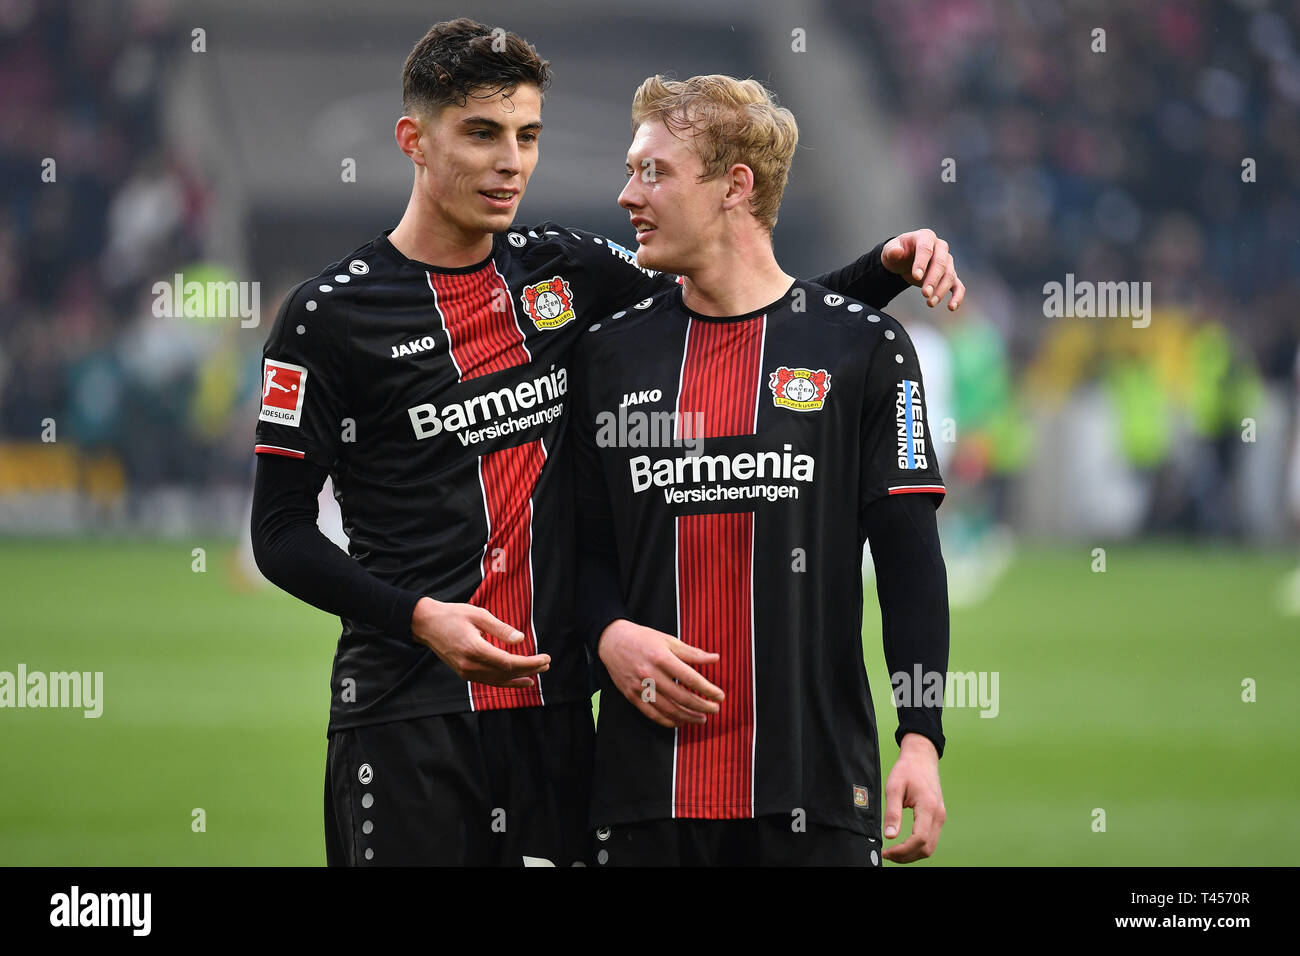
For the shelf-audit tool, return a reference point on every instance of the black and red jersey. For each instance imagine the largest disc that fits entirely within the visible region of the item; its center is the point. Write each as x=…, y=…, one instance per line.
x=731, y=459
x=435, y=397
x=436, y=400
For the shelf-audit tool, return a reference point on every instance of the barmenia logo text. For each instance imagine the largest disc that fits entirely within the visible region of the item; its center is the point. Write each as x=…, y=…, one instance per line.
x=668, y=473
x=458, y=417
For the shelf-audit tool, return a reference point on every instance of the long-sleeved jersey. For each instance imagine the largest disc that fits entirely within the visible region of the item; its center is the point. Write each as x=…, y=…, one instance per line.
x=732, y=463
x=436, y=399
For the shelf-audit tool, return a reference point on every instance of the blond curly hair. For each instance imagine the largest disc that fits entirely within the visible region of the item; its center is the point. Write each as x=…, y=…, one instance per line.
x=730, y=121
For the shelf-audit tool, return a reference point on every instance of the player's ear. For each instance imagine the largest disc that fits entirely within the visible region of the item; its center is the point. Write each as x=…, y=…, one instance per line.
x=408, y=134
x=740, y=185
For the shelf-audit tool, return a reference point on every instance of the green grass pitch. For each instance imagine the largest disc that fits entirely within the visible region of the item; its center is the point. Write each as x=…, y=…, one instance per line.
x=1120, y=691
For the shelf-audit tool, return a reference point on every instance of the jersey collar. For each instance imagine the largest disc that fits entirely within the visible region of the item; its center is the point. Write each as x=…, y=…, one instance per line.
x=388, y=249
x=770, y=307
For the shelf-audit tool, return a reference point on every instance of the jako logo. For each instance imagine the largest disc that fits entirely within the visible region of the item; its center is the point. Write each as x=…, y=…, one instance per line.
x=414, y=346
x=638, y=398
x=102, y=909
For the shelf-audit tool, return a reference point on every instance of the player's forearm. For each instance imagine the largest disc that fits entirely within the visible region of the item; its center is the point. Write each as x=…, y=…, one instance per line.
x=866, y=279
x=599, y=596
x=293, y=554
x=912, y=585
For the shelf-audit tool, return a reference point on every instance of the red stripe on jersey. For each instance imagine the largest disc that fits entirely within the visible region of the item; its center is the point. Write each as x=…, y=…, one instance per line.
x=508, y=477
x=479, y=317
x=713, y=770
x=915, y=489
x=720, y=372
x=714, y=773
x=277, y=450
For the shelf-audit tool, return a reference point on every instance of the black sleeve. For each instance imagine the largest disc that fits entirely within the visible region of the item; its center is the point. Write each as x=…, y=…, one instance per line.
x=293, y=554
x=897, y=447
x=865, y=279
x=304, y=379
x=599, y=593
x=599, y=601
x=912, y=585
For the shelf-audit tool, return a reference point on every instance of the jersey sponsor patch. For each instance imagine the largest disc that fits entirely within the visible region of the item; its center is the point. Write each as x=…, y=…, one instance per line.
x=800, y=389
x=283, y=387
x=549, y=304
x=909, y=426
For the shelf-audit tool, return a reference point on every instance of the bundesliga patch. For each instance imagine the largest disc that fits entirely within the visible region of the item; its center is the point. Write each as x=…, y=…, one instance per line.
x=860, y=796
x=549, y=304
x=909, y=426
x=283, y=388
x=800, y=389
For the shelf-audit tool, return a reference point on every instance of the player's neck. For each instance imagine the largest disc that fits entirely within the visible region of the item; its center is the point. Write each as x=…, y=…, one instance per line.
x=425, y=236
x=737, y=279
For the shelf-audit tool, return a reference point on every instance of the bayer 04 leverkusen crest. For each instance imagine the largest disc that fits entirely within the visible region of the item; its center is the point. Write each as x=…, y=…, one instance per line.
x=549, y=304
x=800, y=389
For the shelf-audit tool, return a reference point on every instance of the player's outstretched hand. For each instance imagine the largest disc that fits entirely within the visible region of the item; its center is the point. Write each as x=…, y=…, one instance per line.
x=455, y=633
x=914, y=782
x=653, y=670
x=923, y=259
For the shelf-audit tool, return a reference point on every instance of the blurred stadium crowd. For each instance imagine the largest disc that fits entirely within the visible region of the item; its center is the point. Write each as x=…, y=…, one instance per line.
x=1124, y=165
x=1119, y=157
x=97, y=394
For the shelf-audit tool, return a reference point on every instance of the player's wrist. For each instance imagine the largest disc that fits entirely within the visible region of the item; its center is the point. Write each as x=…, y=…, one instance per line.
x=614, y=626
x=917, y=743
x=424, y=609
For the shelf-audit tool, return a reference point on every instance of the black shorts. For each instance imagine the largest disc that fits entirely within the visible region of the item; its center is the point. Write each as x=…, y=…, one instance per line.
x=493, y=788
x=762, y=841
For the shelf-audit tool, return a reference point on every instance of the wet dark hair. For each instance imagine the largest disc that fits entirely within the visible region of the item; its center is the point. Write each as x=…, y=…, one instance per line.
x=461, y=58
